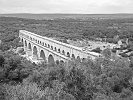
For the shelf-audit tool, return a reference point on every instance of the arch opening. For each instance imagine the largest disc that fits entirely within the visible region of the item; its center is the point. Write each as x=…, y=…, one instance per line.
x=29, y=46
x=68, y=54
x=73, y=56
x=25, y=43
x=61, y=61
x=63, y=52
x=59, y=50
x=51, y=60
x=22, y=40
x=35, y=56
x=29, y=51
x=42, y=55
x=83, y=59
x=52, y=47
x=48, y=45
x=36, y=40
x=78, y=59
x=57, y=62
x=45, y=45
x=55, y=49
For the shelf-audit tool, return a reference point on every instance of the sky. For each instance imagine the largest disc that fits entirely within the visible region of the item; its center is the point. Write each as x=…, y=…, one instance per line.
x=66, y=6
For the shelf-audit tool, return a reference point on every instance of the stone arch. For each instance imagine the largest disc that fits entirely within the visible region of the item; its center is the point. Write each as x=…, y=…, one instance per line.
x=42, y=55
x=83, y=59
x=61, y=62
x=25, y=43
x=68, y=54
x=29, y=51
x=35, y=55
x=55, y=49
x=51, y=60
x=59, y=50
x=36, y=40
x=22, y=40
x=63, y=52
x=57, y=62
x=48, y=46
x=31, y=38
x=52, y=47
x=78, y=59
x=45, y=45
x=73, y=56
x=29, y=46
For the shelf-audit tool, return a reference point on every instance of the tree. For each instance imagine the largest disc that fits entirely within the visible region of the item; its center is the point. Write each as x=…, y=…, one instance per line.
x=4, y=46
x=14, y=62
x=2, y=60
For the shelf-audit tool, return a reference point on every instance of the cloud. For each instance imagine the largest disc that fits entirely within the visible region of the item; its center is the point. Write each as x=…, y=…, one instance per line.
x=66, y=6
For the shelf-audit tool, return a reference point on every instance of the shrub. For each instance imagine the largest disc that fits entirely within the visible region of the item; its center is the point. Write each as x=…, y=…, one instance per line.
x=2, y=74
x=24, y=92
x=13, y=75
x=3, y=93
x=14, y=62
x=106, y=53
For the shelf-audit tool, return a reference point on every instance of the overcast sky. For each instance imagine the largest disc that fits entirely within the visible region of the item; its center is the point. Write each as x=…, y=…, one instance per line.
x=66, y=6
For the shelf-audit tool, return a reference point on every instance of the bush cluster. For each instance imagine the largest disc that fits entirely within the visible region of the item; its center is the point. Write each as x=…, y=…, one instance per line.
x=12, y=68
x=89, y=80
x=105, y=78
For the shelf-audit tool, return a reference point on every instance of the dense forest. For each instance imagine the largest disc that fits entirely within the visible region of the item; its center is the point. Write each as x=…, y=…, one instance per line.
x=70, y=28
x=106, y=78
x=100, y=79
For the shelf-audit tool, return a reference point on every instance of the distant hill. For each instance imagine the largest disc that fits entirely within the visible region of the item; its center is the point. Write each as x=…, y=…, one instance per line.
x=74, y=16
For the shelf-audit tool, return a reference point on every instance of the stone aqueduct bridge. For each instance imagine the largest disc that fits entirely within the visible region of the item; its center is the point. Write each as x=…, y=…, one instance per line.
x=52, y=51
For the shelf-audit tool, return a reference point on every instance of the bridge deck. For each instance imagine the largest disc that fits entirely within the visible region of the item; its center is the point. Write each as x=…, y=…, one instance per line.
x=52, y=51
x=61, y=43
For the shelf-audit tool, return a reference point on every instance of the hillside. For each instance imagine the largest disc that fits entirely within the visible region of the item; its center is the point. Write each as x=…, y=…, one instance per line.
x=68, y=28
x=107, y=78
x=62, y=16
